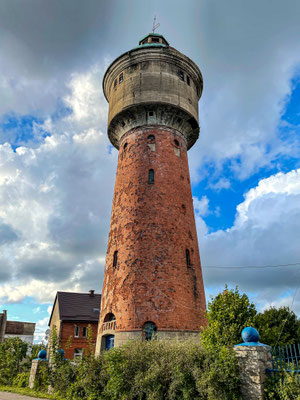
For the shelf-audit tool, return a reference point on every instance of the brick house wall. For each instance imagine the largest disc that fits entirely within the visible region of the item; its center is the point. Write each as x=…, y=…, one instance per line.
x=80, y=342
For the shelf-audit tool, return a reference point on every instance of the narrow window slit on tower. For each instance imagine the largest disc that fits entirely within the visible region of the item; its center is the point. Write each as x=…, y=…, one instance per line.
x=151, y=113
x=188, y=80
x=115, y=261
x=181, y=75
x=121, y=78
x=115, y=83
x=151, y=176
x=125, y=146
x=176, y=142
x=188, y=258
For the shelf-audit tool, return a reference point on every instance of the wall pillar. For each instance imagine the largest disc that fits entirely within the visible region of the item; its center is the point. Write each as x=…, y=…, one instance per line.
x=35, y=366
x=253, y=360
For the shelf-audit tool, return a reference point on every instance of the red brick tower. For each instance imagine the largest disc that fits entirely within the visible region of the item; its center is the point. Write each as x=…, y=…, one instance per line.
x=153, y=278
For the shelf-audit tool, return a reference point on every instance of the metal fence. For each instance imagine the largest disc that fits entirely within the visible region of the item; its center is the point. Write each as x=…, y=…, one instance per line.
x=285, y=358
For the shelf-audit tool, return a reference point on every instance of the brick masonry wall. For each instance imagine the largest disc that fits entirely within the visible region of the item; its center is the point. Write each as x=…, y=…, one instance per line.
x=152, y=225
x=68, y=330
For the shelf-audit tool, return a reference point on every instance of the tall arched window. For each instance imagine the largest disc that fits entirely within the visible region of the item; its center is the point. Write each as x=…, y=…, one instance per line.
x=188, y=258
x=115, y=261
x=150, y=330
x=151, y=176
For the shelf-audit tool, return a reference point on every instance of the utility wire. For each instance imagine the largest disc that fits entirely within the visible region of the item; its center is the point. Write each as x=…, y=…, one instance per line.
x=249, y=266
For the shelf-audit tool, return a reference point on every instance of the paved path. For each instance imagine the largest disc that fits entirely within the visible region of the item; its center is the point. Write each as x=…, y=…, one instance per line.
x=14, y=396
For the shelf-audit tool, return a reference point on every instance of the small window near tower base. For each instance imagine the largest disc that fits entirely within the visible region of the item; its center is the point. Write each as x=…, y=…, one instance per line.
x=151, y=176
x=150, y=330
x=115, y=261
x=151, y=139
x=121, y=78
x=188, y=258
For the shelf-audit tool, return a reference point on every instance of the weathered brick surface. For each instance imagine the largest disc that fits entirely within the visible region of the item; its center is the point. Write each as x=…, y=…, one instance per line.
x=152, y=225
x=68, y=330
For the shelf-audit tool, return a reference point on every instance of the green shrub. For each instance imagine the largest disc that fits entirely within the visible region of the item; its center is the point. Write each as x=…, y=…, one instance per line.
x=170, y=370
x=12, y=359
x=21, y=380
x=286, y=387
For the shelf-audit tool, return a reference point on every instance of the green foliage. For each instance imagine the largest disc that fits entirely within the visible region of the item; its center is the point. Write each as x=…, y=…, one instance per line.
x=170, y=370
x=287, y=387
x=274, y=324
x=228, y=313
x=12, y=356
x=21, y=380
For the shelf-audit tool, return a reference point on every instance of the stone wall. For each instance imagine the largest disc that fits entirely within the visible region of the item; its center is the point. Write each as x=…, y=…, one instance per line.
x=253, y=361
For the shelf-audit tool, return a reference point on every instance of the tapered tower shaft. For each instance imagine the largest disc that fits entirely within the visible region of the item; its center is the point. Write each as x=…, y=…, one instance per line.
x=153, y=280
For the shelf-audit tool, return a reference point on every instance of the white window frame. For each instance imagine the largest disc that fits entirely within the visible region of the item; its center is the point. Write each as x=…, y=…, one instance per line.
x=77, y=330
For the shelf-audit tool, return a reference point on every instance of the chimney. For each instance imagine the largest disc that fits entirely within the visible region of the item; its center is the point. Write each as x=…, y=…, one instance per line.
x=92, y=293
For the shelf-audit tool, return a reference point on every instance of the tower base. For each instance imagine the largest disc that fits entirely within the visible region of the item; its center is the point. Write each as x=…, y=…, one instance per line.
x=121, y=338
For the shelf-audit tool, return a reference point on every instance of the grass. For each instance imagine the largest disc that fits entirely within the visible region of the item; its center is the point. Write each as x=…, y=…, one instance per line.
x=28, y=392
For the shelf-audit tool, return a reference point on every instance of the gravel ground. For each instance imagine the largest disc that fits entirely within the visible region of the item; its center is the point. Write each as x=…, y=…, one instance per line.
x=14, y=396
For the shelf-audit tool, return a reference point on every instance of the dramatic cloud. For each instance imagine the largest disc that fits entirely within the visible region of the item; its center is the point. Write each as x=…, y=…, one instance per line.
x=265, y=232
x=57, y=167
x=58, y=198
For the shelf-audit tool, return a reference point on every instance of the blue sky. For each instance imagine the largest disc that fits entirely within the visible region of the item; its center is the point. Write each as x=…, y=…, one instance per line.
x=57, y=166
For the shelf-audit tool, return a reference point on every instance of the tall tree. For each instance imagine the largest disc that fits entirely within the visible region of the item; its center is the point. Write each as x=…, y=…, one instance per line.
x=278, y=326
x=228, y=313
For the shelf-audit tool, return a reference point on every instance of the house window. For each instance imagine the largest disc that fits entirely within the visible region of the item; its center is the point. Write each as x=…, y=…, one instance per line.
x=78, y=353
x=84, y=331
x=188, y=258
x=150, y=330
x=76, y=333
x=121, y=78
x=188, y=80
x=115, y=261
x=181, y=75
x=151, y=176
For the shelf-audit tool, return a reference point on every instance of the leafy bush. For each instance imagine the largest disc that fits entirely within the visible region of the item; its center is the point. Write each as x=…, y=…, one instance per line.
x=21, y=380
x=12, y=360
x=286, y=387
x=170, y=370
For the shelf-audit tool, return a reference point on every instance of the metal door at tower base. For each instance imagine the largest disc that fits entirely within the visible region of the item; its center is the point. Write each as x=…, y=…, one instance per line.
x=109, y=341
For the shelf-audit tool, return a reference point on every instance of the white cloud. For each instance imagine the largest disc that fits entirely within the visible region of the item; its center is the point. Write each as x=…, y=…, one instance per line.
x=55, y=202
x=265, y=232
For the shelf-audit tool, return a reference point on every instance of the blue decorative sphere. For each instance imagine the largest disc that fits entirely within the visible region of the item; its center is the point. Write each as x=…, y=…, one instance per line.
x=250, y=334
x=61, y=352
x=42, y=354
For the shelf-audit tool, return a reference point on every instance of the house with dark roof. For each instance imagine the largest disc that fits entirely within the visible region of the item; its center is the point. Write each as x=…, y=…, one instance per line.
x=11, y=329
x=72, y=314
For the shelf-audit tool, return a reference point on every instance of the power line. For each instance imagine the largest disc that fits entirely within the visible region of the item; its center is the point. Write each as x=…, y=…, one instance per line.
x=249, y=266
